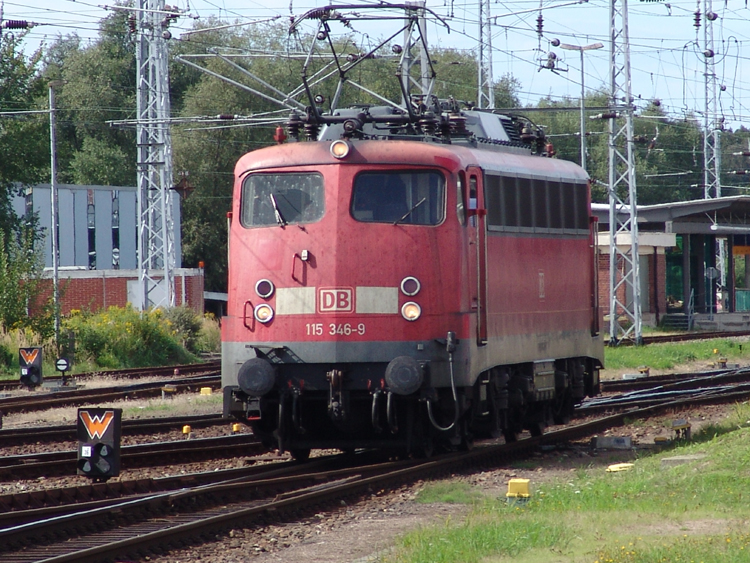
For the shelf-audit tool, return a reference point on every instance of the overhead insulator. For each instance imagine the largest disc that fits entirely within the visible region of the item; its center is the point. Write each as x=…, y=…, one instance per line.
x=723, y=87
x=657, y=102
x=311, y=131
x=322, y=35
x=16, y=24
x=131, y=23
x=711, y=16
x=555, y=42
x=697, y=23
x=539, y=24
x=708, y=53
x=226, y=116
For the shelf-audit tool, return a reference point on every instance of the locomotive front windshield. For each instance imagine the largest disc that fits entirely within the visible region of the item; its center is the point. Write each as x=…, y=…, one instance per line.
x=282, y=199
x=404, y=197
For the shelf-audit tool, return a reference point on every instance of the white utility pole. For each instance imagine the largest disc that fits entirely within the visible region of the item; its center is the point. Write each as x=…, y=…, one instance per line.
x=581, y=50
x=54, y=211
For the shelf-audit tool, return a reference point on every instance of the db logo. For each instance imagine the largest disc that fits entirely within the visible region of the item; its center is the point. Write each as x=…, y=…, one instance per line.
x=335, y=300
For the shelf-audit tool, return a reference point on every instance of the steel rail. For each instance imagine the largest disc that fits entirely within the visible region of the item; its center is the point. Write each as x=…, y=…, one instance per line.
x=84, y=396
x=181, y=370
x=130, y=427
x=136, y=456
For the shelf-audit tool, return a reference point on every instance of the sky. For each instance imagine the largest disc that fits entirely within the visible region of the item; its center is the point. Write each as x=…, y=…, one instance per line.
x=667, y=61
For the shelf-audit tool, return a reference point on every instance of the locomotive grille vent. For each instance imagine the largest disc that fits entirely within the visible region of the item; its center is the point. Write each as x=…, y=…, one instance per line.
x=510, y=129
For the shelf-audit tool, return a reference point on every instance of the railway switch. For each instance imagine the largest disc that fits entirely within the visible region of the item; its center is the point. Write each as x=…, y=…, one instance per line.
x=99, y=432
x=30, y=360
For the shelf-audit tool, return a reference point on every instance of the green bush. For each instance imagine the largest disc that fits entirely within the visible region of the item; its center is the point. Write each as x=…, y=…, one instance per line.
x=7, y=357
x=123, y=338
x=186, y=325
x=198, y=333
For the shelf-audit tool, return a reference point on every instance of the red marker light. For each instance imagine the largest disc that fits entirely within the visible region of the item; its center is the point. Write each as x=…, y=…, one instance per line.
x=279, y=136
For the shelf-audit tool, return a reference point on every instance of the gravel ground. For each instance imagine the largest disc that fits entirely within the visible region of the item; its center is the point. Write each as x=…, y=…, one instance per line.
x=357, y=531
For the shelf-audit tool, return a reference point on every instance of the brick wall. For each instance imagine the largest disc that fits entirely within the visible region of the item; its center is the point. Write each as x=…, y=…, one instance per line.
x=656, y=292
x=93, y=290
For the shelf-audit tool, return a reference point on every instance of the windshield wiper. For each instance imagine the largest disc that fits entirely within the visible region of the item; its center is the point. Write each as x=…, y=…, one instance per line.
x=405, y=215
x=279, y=217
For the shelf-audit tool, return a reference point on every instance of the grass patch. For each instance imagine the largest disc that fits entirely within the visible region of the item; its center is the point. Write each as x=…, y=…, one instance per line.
x=667, y=356
x=652, y=514
x=456, y=492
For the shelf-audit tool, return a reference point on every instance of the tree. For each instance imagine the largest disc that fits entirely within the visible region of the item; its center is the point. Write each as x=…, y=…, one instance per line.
x=99, y=85
x=24, y=138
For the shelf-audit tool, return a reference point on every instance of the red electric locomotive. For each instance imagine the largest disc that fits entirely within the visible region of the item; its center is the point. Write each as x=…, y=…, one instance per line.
x=403, y=282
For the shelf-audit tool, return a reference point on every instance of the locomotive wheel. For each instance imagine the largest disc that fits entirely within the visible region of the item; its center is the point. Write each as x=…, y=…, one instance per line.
x=562, y=408
x=509, y=435
x=300, y=454
x=467, y=443
x=426, y=449
x=536, y=429
x=467, y=438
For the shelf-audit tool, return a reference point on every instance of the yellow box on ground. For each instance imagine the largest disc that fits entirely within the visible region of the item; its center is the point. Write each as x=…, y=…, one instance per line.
x=518, y=488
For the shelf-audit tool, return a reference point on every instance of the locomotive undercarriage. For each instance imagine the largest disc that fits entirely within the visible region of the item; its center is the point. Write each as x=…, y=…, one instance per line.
x=352, y=406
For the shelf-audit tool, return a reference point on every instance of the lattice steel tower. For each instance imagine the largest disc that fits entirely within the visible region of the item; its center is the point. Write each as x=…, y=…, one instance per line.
x=624, y=271
x=156, y=236
x=485, y=93
x=711, y=121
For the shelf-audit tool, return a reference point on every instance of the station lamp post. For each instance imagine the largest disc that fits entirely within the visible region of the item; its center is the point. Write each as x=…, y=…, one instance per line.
x=580, y=49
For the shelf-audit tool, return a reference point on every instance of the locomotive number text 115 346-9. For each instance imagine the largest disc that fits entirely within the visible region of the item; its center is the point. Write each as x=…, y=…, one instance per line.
x=333, y=329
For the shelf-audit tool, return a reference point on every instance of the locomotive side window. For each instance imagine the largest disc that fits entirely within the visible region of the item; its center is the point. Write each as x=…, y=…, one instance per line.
x=539, y=202
x=525, y=203
x=281, y=199
x=555, y=205
x=407, y=198
x=571, y=194
x=534, y=205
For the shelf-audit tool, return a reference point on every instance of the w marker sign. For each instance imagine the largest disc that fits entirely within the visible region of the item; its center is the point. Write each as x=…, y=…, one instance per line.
x=96, y=426
x=99, y=432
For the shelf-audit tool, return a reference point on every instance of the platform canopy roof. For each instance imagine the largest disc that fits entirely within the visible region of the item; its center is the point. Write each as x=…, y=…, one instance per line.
x=718, y=216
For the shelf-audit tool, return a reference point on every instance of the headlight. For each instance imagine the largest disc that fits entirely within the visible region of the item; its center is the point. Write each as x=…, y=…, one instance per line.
x=340, y=149
x=410, y=286
x=411, y=311
x=264, y=288
x=263, y=313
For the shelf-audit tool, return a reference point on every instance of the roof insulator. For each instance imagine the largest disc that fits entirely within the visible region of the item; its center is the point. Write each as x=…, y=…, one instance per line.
x=16, y=24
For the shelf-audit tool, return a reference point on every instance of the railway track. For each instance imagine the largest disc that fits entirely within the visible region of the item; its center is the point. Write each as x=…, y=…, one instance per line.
x=683, y=337
x=41, y=401
x=177, y=371
x=132, y=457
x=651, y=381
x=131, y=427
x=698, y=388
x=152, y=524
